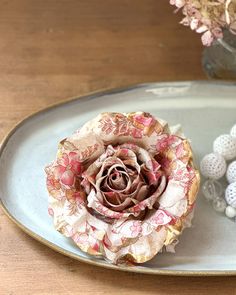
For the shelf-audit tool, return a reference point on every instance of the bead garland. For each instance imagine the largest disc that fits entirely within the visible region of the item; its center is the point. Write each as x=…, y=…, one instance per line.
x=213, y=166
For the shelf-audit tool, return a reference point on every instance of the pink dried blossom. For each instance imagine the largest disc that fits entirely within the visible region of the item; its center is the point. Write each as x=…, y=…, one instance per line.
x=208, y=17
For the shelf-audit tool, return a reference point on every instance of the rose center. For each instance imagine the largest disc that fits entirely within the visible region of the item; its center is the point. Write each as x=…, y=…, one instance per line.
x=115, y=180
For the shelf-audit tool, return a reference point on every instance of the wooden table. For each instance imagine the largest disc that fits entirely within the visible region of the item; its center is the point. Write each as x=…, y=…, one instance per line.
x=55, y=49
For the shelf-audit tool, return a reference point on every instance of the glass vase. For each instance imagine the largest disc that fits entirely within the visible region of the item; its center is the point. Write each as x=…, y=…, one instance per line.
x=219, y=60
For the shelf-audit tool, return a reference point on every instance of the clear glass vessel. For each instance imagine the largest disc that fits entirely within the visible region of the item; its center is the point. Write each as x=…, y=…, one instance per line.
x=219, y=60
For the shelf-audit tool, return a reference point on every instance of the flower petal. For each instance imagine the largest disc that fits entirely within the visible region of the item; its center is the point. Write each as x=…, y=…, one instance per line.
x=143, y=249
x=68, y=178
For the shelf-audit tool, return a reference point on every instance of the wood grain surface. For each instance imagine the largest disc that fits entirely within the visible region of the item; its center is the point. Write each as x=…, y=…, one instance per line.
x=54, y=49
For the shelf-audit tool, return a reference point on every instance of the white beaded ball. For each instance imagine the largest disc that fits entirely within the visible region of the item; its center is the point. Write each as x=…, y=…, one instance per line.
x=233, y=131
x=231, y=172
x=226, y=146
x=230, y=194
x=230, y=212
x=213, y=166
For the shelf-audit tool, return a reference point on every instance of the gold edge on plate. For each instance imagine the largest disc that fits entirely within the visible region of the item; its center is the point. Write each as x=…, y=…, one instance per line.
x=70, y=254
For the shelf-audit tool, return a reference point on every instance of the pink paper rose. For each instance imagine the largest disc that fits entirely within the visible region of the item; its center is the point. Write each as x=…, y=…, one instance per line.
x=123, y=187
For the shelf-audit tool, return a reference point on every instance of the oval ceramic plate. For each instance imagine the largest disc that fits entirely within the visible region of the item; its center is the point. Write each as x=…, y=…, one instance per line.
x=205, y=110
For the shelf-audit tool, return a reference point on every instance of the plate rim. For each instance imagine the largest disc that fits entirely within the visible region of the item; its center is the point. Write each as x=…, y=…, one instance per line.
x=102, y=263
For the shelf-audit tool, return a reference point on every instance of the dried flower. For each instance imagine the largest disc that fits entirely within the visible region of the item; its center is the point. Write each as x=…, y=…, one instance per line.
x=208, y=17
x=123, y=187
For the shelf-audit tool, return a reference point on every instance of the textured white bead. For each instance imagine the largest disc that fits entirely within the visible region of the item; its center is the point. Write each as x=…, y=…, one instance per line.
x=226, y=146
x=231, y=172
x=230, y=194
x=233, y=131
x=213, y=166
x=219, y=204
x=230, y=212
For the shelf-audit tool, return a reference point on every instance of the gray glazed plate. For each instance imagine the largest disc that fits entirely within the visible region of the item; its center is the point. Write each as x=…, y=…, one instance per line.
x=205, y=110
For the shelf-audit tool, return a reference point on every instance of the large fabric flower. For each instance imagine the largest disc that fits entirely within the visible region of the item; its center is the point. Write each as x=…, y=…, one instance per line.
x=123, y=187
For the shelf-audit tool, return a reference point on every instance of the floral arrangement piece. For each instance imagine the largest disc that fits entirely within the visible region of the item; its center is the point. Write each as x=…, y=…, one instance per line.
x=208, y=17
x=123, y=187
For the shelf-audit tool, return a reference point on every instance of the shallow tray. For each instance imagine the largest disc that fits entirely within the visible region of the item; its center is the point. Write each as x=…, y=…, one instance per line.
x=205, y=110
